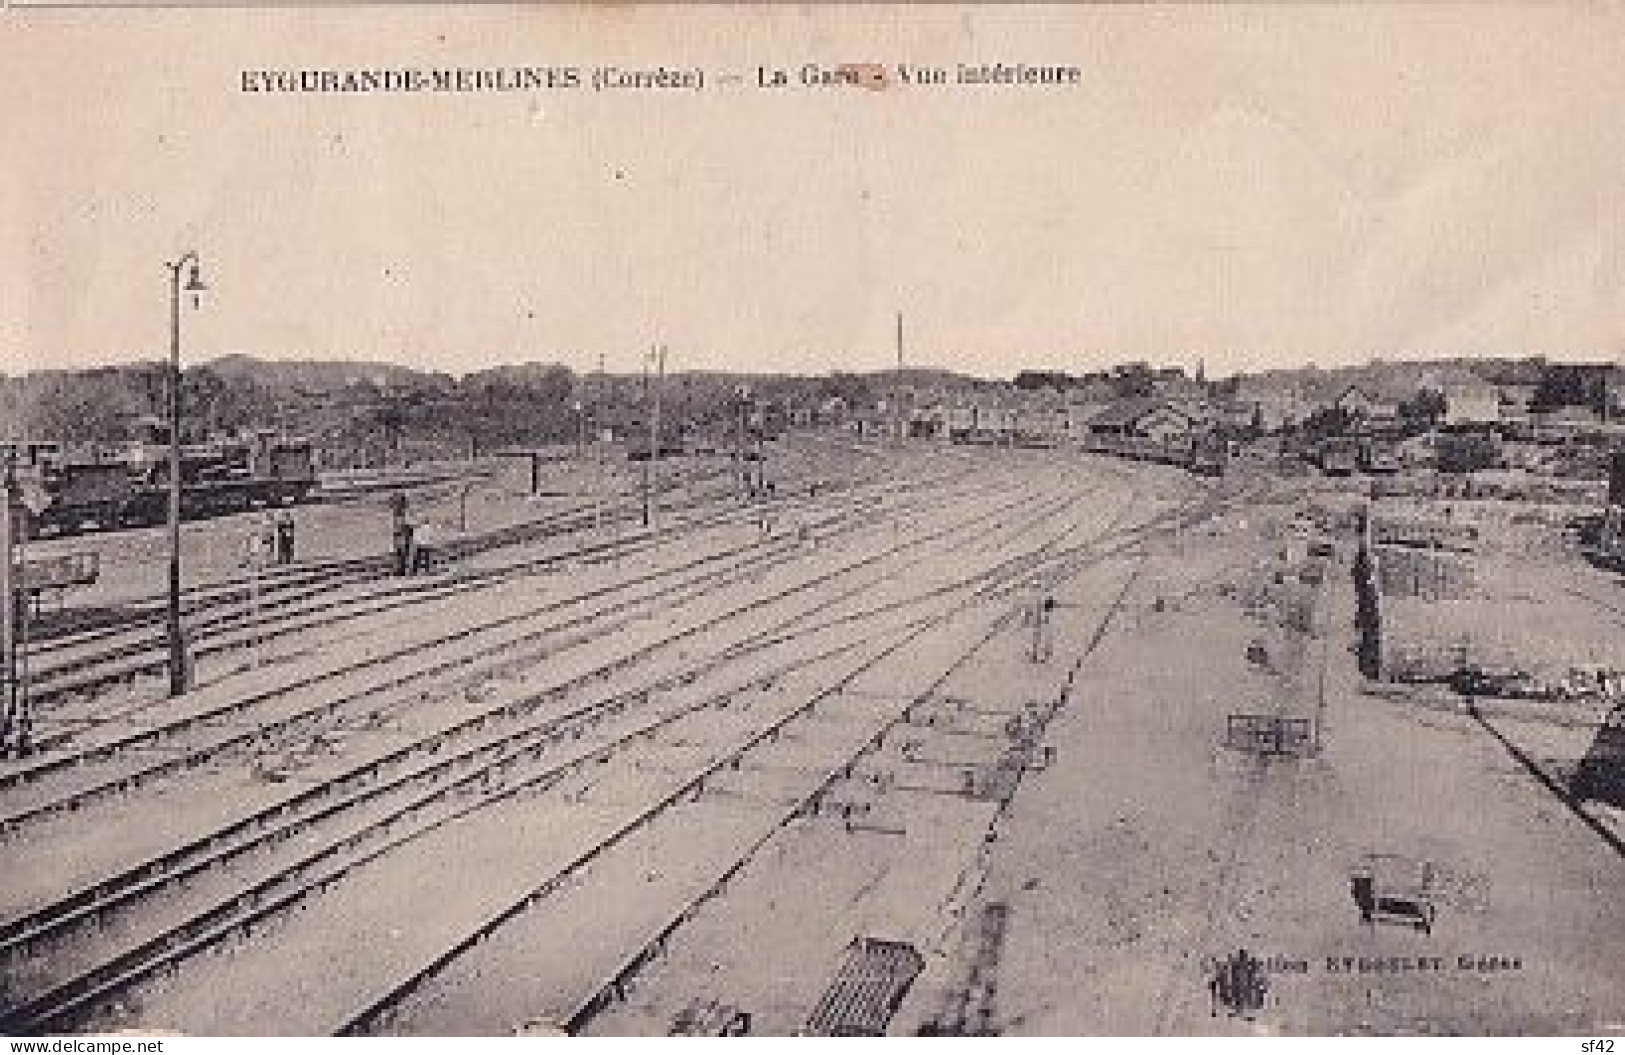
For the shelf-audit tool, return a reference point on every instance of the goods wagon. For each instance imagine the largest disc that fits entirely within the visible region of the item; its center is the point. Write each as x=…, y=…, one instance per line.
x=91, y=487
x=1202, y=454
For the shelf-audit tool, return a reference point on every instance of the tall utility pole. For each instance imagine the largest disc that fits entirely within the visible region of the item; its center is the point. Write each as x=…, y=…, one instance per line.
x=600, y=485
x=654, y=466
x=649, y=455
x=741, y=397
x=194, y=285
x=8, y=634
x=761, y=448
x=14, y=719
x=658, y=354
x=897, y=386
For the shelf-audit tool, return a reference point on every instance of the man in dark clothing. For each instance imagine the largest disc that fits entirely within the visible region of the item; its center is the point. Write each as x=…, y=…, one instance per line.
x=284, y=537
x=401, y=534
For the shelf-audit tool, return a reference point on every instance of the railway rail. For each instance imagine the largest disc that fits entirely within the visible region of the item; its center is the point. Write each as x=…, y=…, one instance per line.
x=95, y=903
x=614, y=986
x=70, y=629
x=231, y=605
x=238, y=707
x=149, y=610
x=375, y=1016
x=310, y=591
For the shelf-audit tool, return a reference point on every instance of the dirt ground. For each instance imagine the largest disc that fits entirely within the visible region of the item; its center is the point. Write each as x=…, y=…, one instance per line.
x=1147, y=850
x=1155, y=851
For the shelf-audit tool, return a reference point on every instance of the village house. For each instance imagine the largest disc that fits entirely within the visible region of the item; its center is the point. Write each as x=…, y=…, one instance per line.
x=1366, y=410
x=1467, y=405
x=1143, y=418
x=1514, y=403
x=1078, y=417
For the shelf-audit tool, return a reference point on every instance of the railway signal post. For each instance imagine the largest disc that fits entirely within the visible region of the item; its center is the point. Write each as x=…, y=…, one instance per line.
x=1039, y=616
x=263, y=540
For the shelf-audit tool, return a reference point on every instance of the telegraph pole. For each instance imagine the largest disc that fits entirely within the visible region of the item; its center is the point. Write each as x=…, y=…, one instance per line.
x=741, y=397
x=599, y=483
x=761, y=452
x=658, y=354
x=654, y=468
x=14, y=700
x=16, y=711
x=649, y=455
x=897, y=386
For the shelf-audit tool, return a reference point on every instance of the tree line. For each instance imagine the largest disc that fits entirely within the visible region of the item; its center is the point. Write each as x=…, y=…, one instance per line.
x=356, y=416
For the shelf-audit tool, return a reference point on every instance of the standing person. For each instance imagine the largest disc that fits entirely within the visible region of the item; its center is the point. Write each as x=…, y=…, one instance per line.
x=426, y=539
x=284, y=537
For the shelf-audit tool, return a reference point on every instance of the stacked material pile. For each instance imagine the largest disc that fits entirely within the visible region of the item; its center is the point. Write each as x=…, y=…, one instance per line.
x=1498, y=487
x=1428, y=574
x=1522, y=636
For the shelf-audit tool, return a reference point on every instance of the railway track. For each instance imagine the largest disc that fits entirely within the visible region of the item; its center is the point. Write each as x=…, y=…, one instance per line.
x=212, y=716
x=1612, y=612
x=70, y=631
x=318, y=606
x=148, y=611
x=147, y=736
x=376, y=1015
x=94, y=904
x=222, y=608
x=377, y=667
x=310, y=593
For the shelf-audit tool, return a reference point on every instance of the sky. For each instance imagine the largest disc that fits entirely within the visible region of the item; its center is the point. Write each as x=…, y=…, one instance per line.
x=1247, y=186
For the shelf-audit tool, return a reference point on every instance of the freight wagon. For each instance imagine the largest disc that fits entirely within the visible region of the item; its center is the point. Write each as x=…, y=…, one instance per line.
x=102, y=487
x=1203, y=455
x=1339, y=456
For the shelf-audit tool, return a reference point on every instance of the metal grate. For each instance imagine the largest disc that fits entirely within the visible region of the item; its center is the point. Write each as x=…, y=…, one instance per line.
x=868, y=987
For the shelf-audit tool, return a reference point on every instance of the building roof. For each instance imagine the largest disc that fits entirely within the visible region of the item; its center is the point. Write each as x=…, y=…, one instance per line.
x=1128, y=412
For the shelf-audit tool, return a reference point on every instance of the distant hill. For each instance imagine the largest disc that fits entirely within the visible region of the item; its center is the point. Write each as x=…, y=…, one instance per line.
x=1394, y=380
x=319, y=375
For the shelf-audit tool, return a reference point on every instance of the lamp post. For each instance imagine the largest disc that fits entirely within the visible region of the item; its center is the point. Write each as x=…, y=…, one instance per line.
x=188, y=263
x=14, y=706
